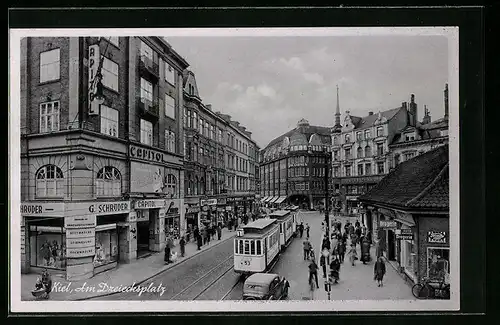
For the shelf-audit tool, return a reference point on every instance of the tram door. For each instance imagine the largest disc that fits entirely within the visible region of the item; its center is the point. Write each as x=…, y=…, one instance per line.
x=265, y=250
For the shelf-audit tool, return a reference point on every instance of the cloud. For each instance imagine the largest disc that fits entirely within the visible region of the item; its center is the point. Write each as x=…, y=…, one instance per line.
x=294, y=63
x=314, y=77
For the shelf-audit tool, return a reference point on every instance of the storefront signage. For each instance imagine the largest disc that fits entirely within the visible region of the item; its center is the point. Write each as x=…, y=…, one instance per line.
x=38, y=209
x=110, y=208
x=80, y=233
x=80, y=242
x=94, y=59
x=132, y=217
x=149, y=204
x=437, y=237
x=171, y=207
x=88, y=221
x=221, y=201
x=387, y=224
x=80, y=252
x=208, y=202
x=230, y=199
x=220, y=209
x=147, y=154
x=404, y=234
x=229, y=208
x=142, y=215
x=195, y=209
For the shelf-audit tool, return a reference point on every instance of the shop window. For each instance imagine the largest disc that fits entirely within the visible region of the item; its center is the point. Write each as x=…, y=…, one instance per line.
x=109, y=121
x=438, y=263
x=110, y=74
x=47, y=247
x=50, y=65
x=49, y=117
x=171, y=185
x=106, y=245
x=49, y=182
x=108, y=182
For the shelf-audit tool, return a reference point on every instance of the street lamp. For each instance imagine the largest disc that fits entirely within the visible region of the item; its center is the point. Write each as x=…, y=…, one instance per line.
x=328, y=284
x=327, y=208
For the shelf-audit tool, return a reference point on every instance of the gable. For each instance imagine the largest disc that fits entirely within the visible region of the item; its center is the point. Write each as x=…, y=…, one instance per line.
x=191, y=85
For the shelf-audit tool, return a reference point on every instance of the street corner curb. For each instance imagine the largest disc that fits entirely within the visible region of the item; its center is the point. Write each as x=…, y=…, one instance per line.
x=164, y=269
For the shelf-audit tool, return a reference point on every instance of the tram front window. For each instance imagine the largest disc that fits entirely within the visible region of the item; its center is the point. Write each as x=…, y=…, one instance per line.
x=259, y=250
x=247, y=247
x=252, y=247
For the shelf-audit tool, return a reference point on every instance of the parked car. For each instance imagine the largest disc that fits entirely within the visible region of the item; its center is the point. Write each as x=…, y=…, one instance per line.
x=265, y=286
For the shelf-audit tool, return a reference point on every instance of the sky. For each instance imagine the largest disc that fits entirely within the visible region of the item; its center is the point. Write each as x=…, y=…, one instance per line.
x=269, y=83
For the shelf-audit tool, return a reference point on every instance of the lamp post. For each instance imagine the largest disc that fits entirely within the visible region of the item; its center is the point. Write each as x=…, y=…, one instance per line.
x=328, y=284
x=327, y=207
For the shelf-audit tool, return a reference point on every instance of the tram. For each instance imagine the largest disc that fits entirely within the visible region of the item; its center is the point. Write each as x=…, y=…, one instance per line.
x=285, y=222
x=256, y=246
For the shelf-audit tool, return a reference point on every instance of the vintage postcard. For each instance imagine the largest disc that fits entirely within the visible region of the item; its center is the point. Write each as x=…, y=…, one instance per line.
x=297, y=169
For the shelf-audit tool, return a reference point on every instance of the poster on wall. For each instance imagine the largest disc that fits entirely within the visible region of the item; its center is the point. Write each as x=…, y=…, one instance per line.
x=436, y=237
x=146, y=178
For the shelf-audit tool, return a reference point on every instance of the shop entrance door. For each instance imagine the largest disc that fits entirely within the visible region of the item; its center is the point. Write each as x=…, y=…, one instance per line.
x=142, y=237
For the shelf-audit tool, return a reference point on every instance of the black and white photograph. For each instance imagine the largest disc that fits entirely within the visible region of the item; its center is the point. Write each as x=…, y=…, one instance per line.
x=244, y=169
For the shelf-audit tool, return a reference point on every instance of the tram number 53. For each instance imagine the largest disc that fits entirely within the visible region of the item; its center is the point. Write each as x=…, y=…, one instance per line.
x=245, y=263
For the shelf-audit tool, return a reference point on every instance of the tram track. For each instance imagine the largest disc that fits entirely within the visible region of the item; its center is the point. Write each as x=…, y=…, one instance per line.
x=193, y=292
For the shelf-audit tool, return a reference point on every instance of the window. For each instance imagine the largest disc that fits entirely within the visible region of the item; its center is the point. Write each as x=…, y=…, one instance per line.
x=360, y=152
x=202, y=125
x=205, y=131
x=169, y=106
x=368, y=151
x=348, y=170
x=171, y=186
x=367, y=134
x=146, y=132
x=368, y=169
x=396, y=160
x=110, y=74
x=108, y=182
x=146, y=50
x=169, y=141
x=347, y=153
x=438, y=263
x=259, y=249
x=252, y=247
x=380, y=149
x=49, y=117
x=380, y=131
x=360, y=170
x=347, y=138
x=50, y=65
x=358, y=136
x=380, y=167
x=49, y=182
x=240, y=246
x=146, y=91
x=335, y=171
x=170, y=74
x=109, y=121
x=409, y=155
x=335, y=140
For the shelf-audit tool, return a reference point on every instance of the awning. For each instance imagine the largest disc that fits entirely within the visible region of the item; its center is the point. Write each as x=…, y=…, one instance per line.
x=264, y=199
x=280, y=199
x=274, y=199
x=270, y=199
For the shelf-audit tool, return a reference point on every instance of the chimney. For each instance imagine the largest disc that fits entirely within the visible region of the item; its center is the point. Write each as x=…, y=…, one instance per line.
x=370, y=113
x=446, y=102
x=413, y=111
x=427, y=117
x=209, y=106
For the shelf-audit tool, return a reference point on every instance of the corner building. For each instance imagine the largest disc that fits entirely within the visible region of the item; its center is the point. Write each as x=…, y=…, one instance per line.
x=102, y=182
x=292, y=167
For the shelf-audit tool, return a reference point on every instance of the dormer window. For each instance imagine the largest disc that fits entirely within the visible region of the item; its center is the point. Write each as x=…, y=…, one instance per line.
x=380, y=131
x=347, y=138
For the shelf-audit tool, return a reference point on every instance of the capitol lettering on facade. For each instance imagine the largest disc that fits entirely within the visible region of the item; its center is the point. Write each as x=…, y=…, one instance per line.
x=146, y=154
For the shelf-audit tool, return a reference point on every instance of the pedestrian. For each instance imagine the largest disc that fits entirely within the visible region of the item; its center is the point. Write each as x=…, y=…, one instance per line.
x=356, y=224
x=341, y=250
x=353, y=254
x=365, y=251
x=351, y=230
x=208, y=233
x=326, y=243
x=313, y=272
x=379, y=271
x=307, y=230
x=306, y=246
x=335, y=269
x=47, y=282
x=301, y=229
x=199, y=241
x=311, y=253
x=182, y=244
x=166, y=258
x=204, y=235
x=322, y=263
x=230, y=224
x=219, y=232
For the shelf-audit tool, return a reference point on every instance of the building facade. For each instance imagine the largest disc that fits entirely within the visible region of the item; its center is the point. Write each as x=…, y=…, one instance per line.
x=419, y=137
x=409, y=209
x=219, y=163
x=360, y=151
x=101, y=157
x=292, y=167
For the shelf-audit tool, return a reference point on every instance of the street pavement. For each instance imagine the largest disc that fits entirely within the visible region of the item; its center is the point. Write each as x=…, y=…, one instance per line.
x=172, y=276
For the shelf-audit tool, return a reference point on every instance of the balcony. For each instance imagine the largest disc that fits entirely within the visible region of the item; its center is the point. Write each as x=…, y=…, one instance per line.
x=149, y=66
x=148, y=108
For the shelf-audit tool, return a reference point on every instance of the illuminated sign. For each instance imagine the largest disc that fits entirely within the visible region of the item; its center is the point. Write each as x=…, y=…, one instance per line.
x=436, y=237
x=93, y=67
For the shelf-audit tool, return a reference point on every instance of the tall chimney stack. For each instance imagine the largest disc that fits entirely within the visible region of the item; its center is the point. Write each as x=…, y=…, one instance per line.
x=446, y=102
x=413, y=111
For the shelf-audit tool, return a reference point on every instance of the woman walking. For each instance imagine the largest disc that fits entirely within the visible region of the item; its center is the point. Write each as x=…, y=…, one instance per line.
x=353, y=254
x=379, y=271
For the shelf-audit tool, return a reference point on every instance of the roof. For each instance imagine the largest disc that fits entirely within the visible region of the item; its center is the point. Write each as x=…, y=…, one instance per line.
x=261, y=277
x=304, y=132
x=425, y=131
x=279, y=213
x=369, y=120
x=419, y=183
x=259, y=224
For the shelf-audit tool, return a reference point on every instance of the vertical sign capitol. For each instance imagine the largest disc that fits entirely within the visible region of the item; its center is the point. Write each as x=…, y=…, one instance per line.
x=93, y=63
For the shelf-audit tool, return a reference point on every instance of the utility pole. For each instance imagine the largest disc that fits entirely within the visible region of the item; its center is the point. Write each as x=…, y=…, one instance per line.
x=327, y=206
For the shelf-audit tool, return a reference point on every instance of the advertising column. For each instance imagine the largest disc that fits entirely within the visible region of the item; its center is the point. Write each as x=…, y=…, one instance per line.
x=80, y=246
x=128, y=239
